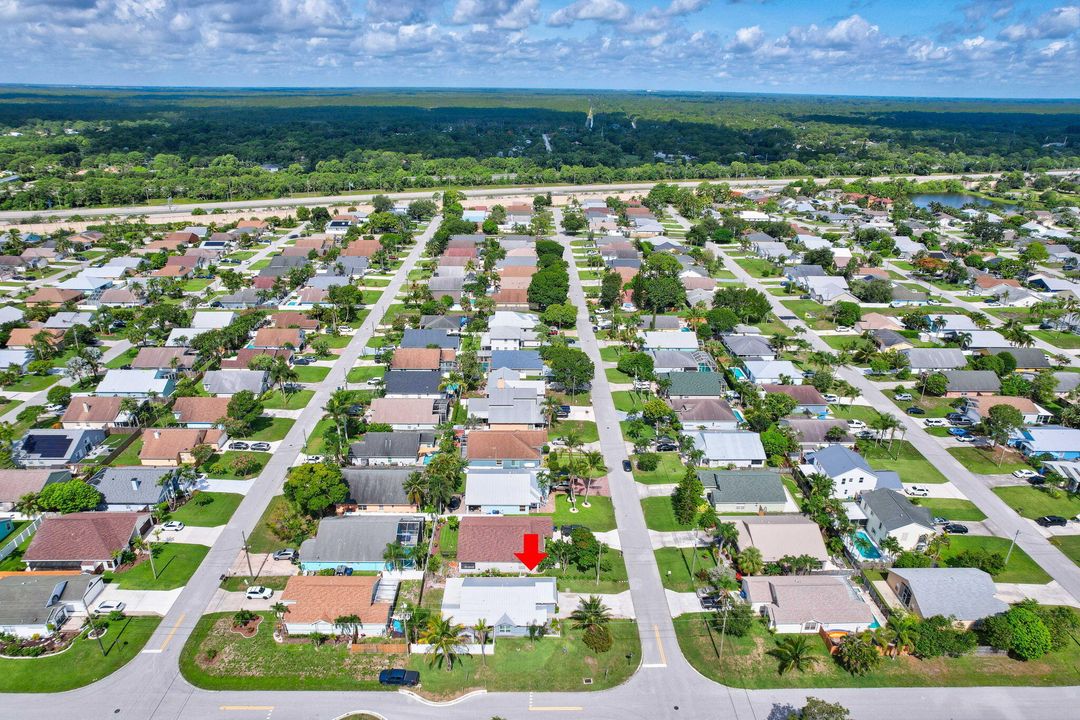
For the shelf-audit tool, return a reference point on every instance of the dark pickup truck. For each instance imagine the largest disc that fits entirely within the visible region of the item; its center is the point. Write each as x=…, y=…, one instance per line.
x=399, y=677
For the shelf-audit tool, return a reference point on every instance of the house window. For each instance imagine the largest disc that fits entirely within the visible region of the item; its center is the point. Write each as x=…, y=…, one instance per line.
x=468, y=566
x=810, y=627
x=521, y=508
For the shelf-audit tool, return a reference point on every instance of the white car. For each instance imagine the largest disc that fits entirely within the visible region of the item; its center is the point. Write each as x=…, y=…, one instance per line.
x=856, y=424
x=312, y=459
x=830, y=398
x=936, y=422
x=258, y=592
x=1025, y=474
x=111, y=606
x=917, y=491
x=903, y=396
x=845, y=329
x=173, y=526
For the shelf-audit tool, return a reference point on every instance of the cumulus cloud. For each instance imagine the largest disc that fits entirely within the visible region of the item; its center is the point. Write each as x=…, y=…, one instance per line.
x=502, y=14
x=1057, y=23
x=606, y=11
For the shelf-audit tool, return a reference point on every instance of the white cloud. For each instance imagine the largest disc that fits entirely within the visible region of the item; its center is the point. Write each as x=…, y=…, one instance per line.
x=607, y=11
x=686, y=7
x=1057, y=23
x=747, y=39
x=502, y=14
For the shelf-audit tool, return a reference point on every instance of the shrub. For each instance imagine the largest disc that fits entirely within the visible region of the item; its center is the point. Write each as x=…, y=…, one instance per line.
x=598, y=639
x=991, y=563
x=244, y=464
x=648, y=462
x=935, y=636
x=243, y=617
x=910, y=559
x=1020, y=631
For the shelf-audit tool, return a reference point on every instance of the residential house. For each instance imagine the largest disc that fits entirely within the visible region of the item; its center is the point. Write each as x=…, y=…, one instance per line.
x=906, y=297
x=1027, y=359
x=55, y=448
x=808, y=603
x=229, y=382
x=829, y=290
x=176, y=446
x=773, y=372
x=315, y=602
x=524, y=362
x=849, y=471
x=359, y=541
x=413, y=384
x=977, y=409
x=695, y=385
x=392, y=448
x=779, y=536
x=965, y=595
x=489, y=543
x=511, y=605
x=87, y=542
x=749, y=347
x=676, y=361
x=15, y=483
x=502, y=491
x=200, y=412
x=408, y=413
x=136, y=384
x=54, y=297
x=729, y=448
x=277, y=338
x=807, y=398
x=972, y=383
x=36, y=606
x=379, y=490
x=877, y=321
x=705, y=413
x=744, y=491
x=19, y=359
x=423, y=359
x=95, y=413
x=935, y=359
x=890, y=514
x=813, y=433
x=135, y=489
x=430, y=338
x=513, y=408
x=1052, y=441
x=26, y=338
x=174, y=359
x=505, y=449
x=670, y=340
x=244, y=356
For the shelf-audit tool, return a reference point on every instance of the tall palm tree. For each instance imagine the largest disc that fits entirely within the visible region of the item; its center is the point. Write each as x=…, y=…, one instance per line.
x=395, y=556
x=446, y=640
x=281, y=374
x=904, y=631
x=481, y=630
x=550, y=408
x=280, y=609
x=750, y=561
x=592, y=460
x=591, y=613
x=415, y=489
x=793, y=653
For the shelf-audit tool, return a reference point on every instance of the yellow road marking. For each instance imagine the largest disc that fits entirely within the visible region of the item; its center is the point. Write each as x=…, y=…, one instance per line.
x=169, y=637
x=660, y=644
x=246, y=707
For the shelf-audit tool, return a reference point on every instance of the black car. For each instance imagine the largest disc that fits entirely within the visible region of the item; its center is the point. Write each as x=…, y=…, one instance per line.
x=710, y=602
x=913, y=410
x=626, y=466
x=1052, y=521
x=563, y=411
x=956, y=529
x=301, y=361
x=399, y=677
x=666, y=447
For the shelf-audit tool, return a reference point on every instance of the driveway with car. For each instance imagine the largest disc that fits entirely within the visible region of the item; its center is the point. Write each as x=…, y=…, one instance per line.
x=192, y=535
x=139, y=602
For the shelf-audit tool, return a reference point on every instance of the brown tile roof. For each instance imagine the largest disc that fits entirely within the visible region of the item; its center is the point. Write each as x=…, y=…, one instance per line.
x=244, y=355
x=277, y=337
x=92, y=409
x=453, y=261
x=118, y=295
x=416, y=359
x=515, y=283
x=465, y=252
x=173, y=271
x=200, y=409
x=511, y=297
x=496, y=539
x=694, y=282
x=16, y=483
x=986, y=282
x=152, y=358
x=54, y=296
x=168, y=443
x=294, y=319
x=83, y=536
x=525, y=271
x=312, y=598
x=312, y=295
x=257, y=224
x=24, y=337
x=314, y=242
x=506, y=444
x=361, y=248
x=985, y=402
x=182, y=237
x=165, y=244
x=803, y=394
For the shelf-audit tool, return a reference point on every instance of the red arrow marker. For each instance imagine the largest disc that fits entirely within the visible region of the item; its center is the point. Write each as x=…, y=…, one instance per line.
x=530, y=556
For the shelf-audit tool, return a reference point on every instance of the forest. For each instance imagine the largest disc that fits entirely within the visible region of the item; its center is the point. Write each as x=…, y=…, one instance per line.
x=83, y=147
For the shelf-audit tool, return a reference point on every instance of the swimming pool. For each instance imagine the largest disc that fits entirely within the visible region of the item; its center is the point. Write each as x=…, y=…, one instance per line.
x=738, y=373
x=869, y=551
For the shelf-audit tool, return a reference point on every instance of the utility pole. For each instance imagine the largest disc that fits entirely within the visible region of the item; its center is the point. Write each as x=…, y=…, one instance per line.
x=1011, y=546
x=247, y=555
x=90, y=619
x=723, y=627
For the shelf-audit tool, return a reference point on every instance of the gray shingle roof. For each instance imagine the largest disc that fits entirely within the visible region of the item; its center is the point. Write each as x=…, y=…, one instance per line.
x=736, y=486
x=411, y=382
x=377, y=486
x=361, y=538
x=424, y=338
x=973, y=381
x=936, y=358
x=132, y=485
x=963, y=593
x=837, y=459
x=748, y=346
x=390, y=444
x=894, y=510
x=1025, y=357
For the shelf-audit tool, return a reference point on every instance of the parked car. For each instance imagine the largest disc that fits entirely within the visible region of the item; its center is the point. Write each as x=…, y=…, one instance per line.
x=261, y=446
x=302, y=361
x=666, y=447
x=955, y=528
x=915, y=410
x=173, y=526
x=1025, y=474
x=110, y=606
x=343, y=570
x=961, y=422
x=238, y=445
x=312, y=459
x=917, y=491
x=905, y=397
x=563, y=411
x=626, y=466
x=1053, y=521
x=258, y=592
x=958, y=432
x=830, y=398
x=936, y=422
x=399, y=677
x=965, y=438
x=568, y=530
x=285, y=554
x=856, y=424
x=374, y=382
x=710, y=602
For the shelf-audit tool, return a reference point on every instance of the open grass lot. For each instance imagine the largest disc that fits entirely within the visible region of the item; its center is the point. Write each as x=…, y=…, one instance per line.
x=804, y=308
x=216, y=512
x=614, y=376
x=598, y=518
x=610, y=354
x=579, y=399
x=587, y=428
x=660, y=515
x=196, y=284
x=32, y=383
x=1064, y=340
x=123, y=358
x=909, y=462
x=365, y=373
x=1033, y=502
x=613, y=580
x=298, y=400
x=984, y=462
x=670, y=470
x=311, y=373
x=1021, y=568
x=80, y=665
x=240, y=583
x=1068, y=544
x=130, y=455
x=554, y=663
x=334, y=341
x=220, y=466
x=952, y=509
x=175, y=562
x=316, y=443
x=262, y=539
x=269, y=429
x=679, y=565
x=629, y=401
x=757, y=267
x=746, y=665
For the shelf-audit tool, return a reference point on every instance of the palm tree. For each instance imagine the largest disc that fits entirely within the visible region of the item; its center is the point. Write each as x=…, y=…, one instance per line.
x=349, y=625
x=727, y=534
x=481, y=630
x=591, y=613
x=793, y=653
x=131, y=407
x=1014, y=332
x=550, y=408
x=445, y=639
x=904, y=631
x=415, y=488
x=28, y=504
x=280, y=609
x=281, y=374
x=592, y=460
x=395, y=556
x=750, y=561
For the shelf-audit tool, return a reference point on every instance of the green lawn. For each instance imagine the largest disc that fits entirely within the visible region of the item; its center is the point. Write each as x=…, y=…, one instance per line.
x=16, y=528
x=316, y=443
x=262, y=539
x=952, y=509
x=216, y=512
x=908, y=462
x=195, y=284
x=123, y=358
x=13, y=562
x=587, y=428
x=239, y=583
x=311, y=373
x=660, y=515
x=334, y=341
x=1021, y=568
x=670, y=470
x=269, y=429
x=364, y=373
x=984, y=462
x=610, y=354
x=1064, y=340
x=1068, y=544
x=80, y=665
x=259, y=264
x=1032, y=502
x=298, y=400
x=628, y=401
x=675, y=565
x=803, y=308
x=220, y=466
x=130, y=455
x=613, y=580
x=32, y=383
x=175, y=563
x=598, y=518
x=744, y=664
x=614, y=376
x=757, y=267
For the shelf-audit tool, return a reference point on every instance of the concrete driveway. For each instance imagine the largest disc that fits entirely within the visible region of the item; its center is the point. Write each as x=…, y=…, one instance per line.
x=262, y=564
x=191, y=535
x=678, y=538
x=681, y=603
x=224, y=601
x=1049, y=594
x=140, y=602
x=240, y=487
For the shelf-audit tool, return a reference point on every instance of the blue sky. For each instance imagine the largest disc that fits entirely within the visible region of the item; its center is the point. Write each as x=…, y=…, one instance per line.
x=968, y=48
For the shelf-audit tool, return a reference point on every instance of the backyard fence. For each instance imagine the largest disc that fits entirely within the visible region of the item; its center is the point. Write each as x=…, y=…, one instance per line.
x=14, y=543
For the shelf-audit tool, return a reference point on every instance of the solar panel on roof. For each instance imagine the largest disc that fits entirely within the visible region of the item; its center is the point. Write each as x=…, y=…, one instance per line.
x=51, y=446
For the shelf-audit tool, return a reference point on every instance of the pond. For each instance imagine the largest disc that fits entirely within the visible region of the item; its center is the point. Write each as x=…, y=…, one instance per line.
x=953, y=200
